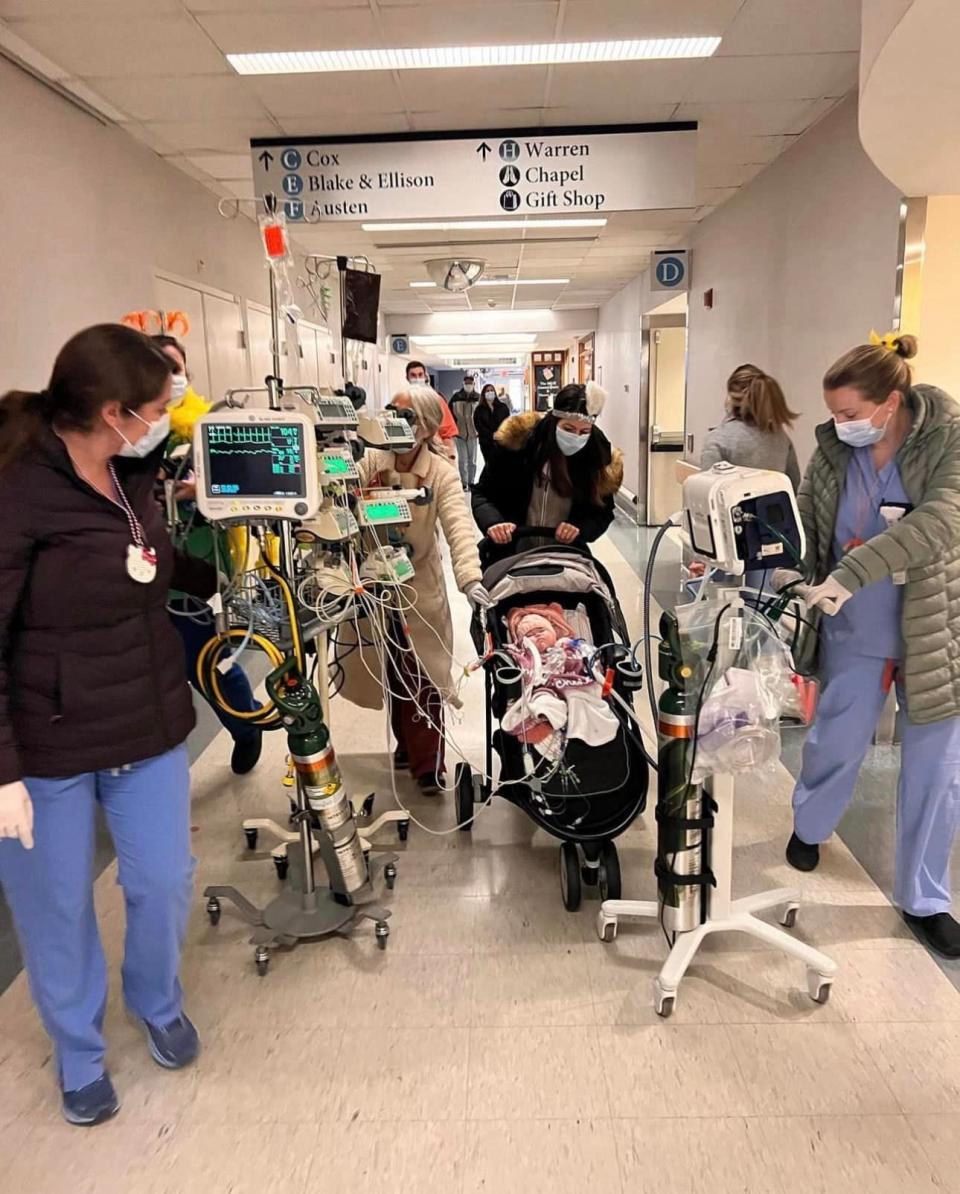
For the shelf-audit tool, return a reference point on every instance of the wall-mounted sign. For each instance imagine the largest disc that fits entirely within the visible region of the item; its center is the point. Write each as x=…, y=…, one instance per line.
x=400, y=346
x=670, y=270
x=407, y=176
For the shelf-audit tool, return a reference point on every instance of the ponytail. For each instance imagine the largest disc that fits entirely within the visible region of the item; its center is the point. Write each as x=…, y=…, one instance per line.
x=757, y=399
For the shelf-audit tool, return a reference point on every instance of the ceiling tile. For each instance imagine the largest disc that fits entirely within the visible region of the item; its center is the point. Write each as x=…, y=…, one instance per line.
x=728, y=174
x=772, y=77
x=813, y=27
x=498, y=87
x=318, y=95
x=718, y=146
x=84, y=9
x=232, y=166
x=104, y=47
x=608, y=109
x=216, y=6
x=212, y=136
x=472, y=118
x=585, y=19
x=777, y=117
x=148, y=137
x=260, y=31
x=215, y=96
x=343, y=124
x=656, y=82
x=461, y=24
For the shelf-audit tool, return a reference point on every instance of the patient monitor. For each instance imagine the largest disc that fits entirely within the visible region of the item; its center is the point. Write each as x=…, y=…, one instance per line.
x=742, y=519
x=255, y=464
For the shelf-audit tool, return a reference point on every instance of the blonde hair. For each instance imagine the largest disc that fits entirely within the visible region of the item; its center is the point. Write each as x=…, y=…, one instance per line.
x=757, y=399
x=876, y=370
x=425, y=404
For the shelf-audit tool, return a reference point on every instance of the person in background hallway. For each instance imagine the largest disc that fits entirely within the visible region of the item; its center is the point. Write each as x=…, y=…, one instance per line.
x=881, y=510
x=490, y=413
x=755, y=432
x=94, y=704
x=462, y=406
x=555, y=469
x=417, y=376
x=419, y=679
x=197, y=629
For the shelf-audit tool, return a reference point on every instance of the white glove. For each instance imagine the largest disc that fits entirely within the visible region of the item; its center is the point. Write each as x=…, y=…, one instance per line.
x=477, y=595
x=830, y=597
x=16, y=813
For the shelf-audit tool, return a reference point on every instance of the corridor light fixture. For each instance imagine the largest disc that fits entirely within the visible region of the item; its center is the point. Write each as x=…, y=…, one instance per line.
x=503, y=282
x=464, y=341
x=481, y=225
x=575, y=53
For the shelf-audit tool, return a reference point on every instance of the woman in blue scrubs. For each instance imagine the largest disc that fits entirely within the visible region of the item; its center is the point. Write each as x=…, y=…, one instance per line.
x=881, y=510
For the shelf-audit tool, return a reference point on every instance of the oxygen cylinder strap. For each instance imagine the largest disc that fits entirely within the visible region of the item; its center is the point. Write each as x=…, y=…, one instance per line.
x=705, y=822
x=663, y=872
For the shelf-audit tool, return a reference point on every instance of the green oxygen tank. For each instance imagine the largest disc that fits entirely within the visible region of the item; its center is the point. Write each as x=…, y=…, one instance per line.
x=681, y=832
x=316, y=766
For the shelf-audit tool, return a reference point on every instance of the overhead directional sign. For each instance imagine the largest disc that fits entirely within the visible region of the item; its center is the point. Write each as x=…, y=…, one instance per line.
x=444, y=175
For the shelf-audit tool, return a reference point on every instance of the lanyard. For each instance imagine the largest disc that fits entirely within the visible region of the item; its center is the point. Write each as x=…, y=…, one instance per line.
x=136, y=530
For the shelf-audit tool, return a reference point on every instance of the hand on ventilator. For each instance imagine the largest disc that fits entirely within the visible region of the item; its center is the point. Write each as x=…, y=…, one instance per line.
x=477, y=595
x=830, y=597
x=16, y=813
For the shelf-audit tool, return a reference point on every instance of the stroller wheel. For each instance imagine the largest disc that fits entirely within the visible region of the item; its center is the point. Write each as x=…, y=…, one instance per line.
x=464, y=788
x=610, y=884
x=570, y=887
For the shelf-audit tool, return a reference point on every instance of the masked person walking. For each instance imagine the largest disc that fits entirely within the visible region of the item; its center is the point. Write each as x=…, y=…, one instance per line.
x=462, y=406
x=881, y=510
x=490, y=413
x=417, y=375
x=94, y=704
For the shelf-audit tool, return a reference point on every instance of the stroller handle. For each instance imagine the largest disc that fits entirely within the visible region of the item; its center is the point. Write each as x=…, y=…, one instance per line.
x=528, y=533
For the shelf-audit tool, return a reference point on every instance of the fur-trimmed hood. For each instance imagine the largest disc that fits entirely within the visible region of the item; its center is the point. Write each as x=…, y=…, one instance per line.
x=514, y=433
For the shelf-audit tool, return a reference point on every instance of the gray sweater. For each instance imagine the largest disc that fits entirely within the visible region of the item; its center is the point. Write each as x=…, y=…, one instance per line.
x=739, y=443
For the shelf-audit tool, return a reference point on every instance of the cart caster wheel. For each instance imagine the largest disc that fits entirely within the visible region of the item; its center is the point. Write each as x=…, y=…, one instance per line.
x=663, y=1001
x=464, y=790
x=590, y=875
x=403, y=830
x=367, y=810
x=789, y=917
x=251, y=836
x=609, y=877
x=382, y=931
x=570, y=887
x=818, y=986
x=213, y=910
x=261, y=960
x=390, y=875
x=606, y=929
x=282, y=865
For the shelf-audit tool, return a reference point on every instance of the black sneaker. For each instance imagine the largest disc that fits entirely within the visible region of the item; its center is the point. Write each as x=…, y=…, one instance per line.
x=431, y=784
x=246, y=752
x=174, y=1046
x=801, y=856
x=401, y=760
x=92, y=1104
x=940, y=931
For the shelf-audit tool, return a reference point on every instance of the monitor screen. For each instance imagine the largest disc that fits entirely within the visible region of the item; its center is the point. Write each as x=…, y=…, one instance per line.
x=252, y=460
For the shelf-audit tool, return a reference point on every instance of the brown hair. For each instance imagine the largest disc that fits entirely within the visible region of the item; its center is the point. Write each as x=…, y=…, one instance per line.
x=874, y=369
x=104, y=362
x=757, y=399
x=165, y=341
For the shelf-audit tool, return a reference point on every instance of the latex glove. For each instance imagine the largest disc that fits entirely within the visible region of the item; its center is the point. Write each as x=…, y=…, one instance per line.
x=830, y=597
x=502, y=532
x=477, y=595
x=16, y=813
x=566, y=532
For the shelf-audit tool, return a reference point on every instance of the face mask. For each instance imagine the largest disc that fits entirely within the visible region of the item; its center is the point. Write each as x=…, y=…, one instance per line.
x=154, y=436
x=491, y=398
x=178, y=386
x=417, y=381
x=468, y=387
x=569, y=442
x=861, y=433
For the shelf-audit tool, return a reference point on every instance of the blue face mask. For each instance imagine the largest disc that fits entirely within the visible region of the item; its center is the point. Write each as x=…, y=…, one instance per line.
x=861, y=433
x=569, y=442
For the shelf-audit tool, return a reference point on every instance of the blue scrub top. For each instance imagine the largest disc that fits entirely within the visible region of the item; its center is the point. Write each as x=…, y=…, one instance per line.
x=869, y=623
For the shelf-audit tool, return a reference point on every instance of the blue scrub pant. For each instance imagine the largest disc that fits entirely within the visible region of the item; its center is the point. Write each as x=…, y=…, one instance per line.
x=50, y=892
x=233, y=684
x=928, y=792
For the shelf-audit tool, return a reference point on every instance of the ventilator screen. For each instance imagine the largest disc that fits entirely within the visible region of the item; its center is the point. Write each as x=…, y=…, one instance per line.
x=254, y=459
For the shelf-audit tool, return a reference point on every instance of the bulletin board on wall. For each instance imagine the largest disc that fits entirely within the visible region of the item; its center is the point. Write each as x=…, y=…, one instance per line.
x=548, y=371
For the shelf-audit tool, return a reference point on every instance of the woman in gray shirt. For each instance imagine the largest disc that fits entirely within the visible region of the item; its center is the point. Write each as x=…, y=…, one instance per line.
x=754, y=433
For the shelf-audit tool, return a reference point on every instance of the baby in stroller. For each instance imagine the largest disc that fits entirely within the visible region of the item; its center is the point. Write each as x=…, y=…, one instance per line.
x=559, y=697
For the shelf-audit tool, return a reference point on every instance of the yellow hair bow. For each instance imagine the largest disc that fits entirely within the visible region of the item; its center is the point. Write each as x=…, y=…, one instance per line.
x=888, y=341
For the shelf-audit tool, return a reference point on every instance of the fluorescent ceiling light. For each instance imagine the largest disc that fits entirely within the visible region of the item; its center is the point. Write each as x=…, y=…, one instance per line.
x=465, y=341
x=481, y=225
x=504, y=282
x=301, y=62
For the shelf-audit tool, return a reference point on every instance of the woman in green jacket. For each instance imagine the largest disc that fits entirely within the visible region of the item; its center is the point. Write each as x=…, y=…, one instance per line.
x=881, y=510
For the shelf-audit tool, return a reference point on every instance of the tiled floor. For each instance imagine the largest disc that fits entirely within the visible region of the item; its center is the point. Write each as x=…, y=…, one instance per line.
x=497, y=1045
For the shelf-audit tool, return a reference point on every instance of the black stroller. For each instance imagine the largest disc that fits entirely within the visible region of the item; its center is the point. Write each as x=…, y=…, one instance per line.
x=593, y=793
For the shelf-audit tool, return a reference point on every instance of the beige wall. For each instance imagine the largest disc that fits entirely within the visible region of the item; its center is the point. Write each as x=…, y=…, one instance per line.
x=618, y=361
x=803, y=264
x=669, y=383
x=934, y=317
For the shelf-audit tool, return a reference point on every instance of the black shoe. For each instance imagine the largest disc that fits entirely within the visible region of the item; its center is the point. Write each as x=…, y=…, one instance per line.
x=92, y=1104
x=401, y=760
x=431, y=784
x=940, y=931
x=246, y=752
x=801, y=856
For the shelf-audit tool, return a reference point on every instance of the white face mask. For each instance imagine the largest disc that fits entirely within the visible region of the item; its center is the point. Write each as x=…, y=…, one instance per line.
x=468, y=387
x=569, y=442
x=152, y=438
x=861, y=433
x=178, y=386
